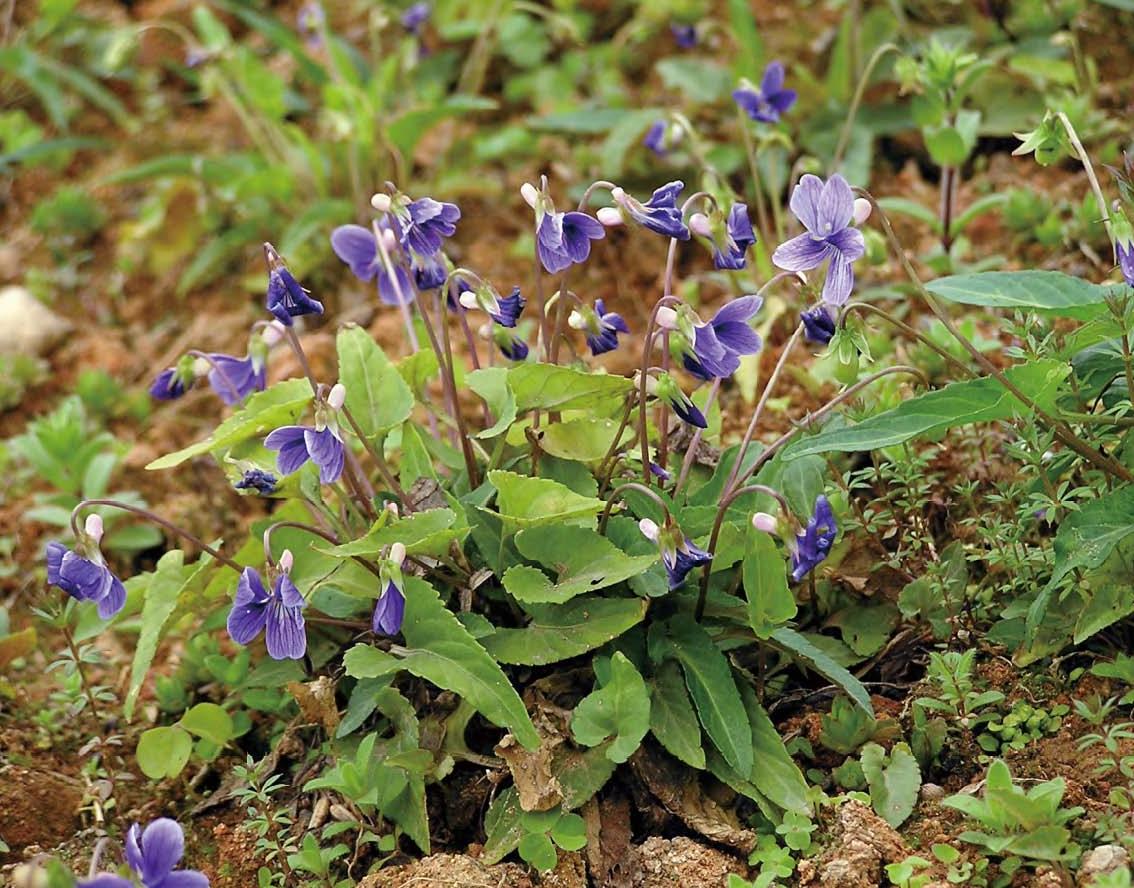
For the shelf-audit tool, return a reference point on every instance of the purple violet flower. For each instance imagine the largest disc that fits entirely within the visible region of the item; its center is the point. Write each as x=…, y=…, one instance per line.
x=660, y=213
x=286, y=298
x=679, y=554
x=278, y=615
x=297, y=444
x=389, y=611
x=826, y=211
x=309, y=22
x=818, y=325
x=1123, y=245
x=739, y=236
x=814, y=543
x=718, y=345
x=510, y=345
x=770, y=100
x=86, y=579
x=601, y=327
x=666, y=389
x=414, y=17
x=355, y=245
x=152, y=854
x=264, y=483
x=429, y=272
x=170, y=384
x=234, y=379
x=685, y=36
x=425, y=223
x=504, y=310
x=655, y=138
x=564, y=239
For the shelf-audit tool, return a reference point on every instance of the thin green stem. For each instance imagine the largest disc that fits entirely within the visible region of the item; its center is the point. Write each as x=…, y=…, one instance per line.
x=856, y=102
x=1085, y=159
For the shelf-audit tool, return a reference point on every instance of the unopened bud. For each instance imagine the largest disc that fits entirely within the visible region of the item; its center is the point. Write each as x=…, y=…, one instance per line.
x=485, y=331
x=93, y=527
x=764, y=522
x=649, y=529
x=337, y=396
x=397, y=553
x=617, y=194
x=576, y=321
x=468, y=300
x=201, y=367
x=286, y=561
x=529, y=193
x=381, y=202
x=389, y=240
x=273, y=333
x=862, y=210
x=392, y=508
x=666, y=318
x=699, y=224
x=609, y=216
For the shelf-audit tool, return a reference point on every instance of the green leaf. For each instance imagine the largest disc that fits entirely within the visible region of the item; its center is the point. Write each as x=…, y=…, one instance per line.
x=770, y=602
x=672, y=717
x=585, y=439
x=552, y=387
x=376, y=395
x=366, y=661
x=422, y=533
x=749, y=61
x=165, y=587
x=774, y=773
x=1045, y=291
x=441, y=650
x=559, y=633
x=502, y=826
x=536, y=849
x=946, y=145
x=264, y=411
x=800, y=647
x=525, y=502
x=619, y=709
x=406, y=129
x=491, y=383
x=163, y=752
x=570, y=832
x=894, y=781
x=702, y=81
x=709, y=679
x=583, y=559
x=209, y=722
x=1087, y=537
x=959, y=403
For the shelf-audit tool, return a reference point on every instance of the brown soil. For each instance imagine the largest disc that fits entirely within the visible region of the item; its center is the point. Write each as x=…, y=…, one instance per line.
x=39, y=810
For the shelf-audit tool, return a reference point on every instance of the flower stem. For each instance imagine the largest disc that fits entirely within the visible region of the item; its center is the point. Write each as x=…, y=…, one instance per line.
x=863, y=82
x=647, y=346
x=403, y=303
x=754, y=172
x=1085, y=159
x=630, y=485
x=691, y=452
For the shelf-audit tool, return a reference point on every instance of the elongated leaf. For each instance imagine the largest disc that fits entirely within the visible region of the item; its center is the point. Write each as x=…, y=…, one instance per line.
x=1045, y=291
x=376, y=395
x=529, y=502
x=264, y=411
x=672, y=717
x=442, y=651
x=559, y=633
x=422, y=533
x=770, y=602
x=800, y=647
x=709, y=679
x=407, y=129
x=959, y=403
x=502, y=826
x=619, y=709
x=774, y=773
x=551, y=387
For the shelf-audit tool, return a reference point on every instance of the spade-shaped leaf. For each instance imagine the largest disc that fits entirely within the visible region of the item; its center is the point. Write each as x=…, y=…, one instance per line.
x=619, y=709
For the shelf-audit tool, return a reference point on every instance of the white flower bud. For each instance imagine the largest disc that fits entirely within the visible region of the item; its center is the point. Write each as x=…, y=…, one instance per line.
x=666, y=318
x=273, y=333
x=529, y=193
x=764, y=522
x=397, y=553
x=485, y=331
x=649, y=529
x=699, y=224
x=286, y=561
x=381, y=202
x=93, y=527
x=862, y=208
x=337, y=396
x=610, y=217
x=576, y=321
x=201, y=367
x=389, y=240
x=617, y=194
x=468, y=300
x=392, y=508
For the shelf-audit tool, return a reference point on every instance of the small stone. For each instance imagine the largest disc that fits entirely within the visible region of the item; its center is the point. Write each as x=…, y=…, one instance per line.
x=931, y=792
x=27, y=326
x=1100, y=861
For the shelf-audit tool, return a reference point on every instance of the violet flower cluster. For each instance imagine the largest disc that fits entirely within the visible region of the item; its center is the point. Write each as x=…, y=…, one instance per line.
x=152, y=855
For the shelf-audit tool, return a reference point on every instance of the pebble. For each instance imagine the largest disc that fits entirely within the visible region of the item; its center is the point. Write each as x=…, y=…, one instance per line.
x=1101, y=860
x=27, y=326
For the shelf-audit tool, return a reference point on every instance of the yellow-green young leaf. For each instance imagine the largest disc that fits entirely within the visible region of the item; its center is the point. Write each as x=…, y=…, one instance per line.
x=959, y=403
x=491, y=383
x=586, y=439
x=582, y=559
x=770, y=602
x=209, y=722
x=619, y=709
x=163, y=752
x=708, y=676
x=376, y=395
x=428, y=532
x=529, y=502
x=279, y=405
x=536, y=849
x=672, y=717
x=570, y=832
x=559, y=633
x=169, y=580
x=440, y=650
x=552, y=387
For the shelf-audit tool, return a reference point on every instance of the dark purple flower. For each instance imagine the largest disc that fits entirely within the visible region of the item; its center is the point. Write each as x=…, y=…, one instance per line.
x=309, y=22
x=685, y=36
x=414, y=17
x=818, y=325
x=429, y=272
x=739, y=237
x=509, y=308
x=565, y=238
x=655, y=138
x=814, y=544
x=667, y=390
x=1124, y=253
x=264, y=483
x=278, y=615
x=679, y=554
x=154, y=852
x=510, y=345
x=287, y=299
x=356, y=246
x=718, y=345
x=660, y=213
x=233, y=379
x=658, y=472
x=601, y=327
x=170, y=384
x=85, y=579
x=826, y=211
x=425, y=223
x=297, y=444
x=770, y=100
x=391, y=293
x=389, y=611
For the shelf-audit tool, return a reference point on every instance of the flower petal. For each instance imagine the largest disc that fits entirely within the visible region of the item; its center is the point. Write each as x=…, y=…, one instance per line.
x=290, y=442
x=840, y=279
x=801, y=253
x=185, y=879
x=163, y=843
x=285, y=633
x=326, y=452
x=836, y=206
x=849, y=242
x=805, y=202
x=773, y=78
x=738, y=311
x=54, y=556
x=113, y=599
x=249, y=611
x=356, y=246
